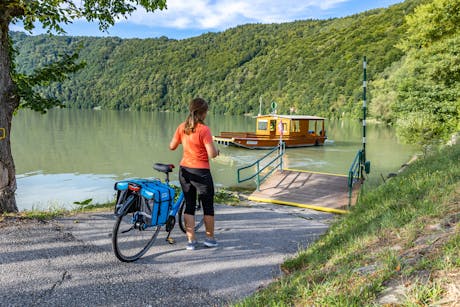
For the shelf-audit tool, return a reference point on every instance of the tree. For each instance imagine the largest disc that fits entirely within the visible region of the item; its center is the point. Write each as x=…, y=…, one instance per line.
x=19, y=90
x=421, y=92
x=430, y=96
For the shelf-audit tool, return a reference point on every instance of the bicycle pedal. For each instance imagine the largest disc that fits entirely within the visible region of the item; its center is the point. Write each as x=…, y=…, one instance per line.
x=171, y=241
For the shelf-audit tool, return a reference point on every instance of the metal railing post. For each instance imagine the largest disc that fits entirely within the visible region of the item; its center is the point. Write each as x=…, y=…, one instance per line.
x=281, y=154
x=350, y=187
x=354, y=173
x=258, y=176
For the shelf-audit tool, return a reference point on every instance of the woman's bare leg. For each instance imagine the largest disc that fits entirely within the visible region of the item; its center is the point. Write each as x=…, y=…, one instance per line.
x=190, y=227
x=209, y=225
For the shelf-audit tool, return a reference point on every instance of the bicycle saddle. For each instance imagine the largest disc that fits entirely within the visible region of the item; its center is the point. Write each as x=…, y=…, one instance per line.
x=164, y=168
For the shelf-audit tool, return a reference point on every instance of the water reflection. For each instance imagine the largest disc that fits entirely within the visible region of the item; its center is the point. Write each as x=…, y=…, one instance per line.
x=42, y=191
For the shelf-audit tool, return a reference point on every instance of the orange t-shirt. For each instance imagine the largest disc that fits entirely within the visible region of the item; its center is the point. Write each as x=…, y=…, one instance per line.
x=194, y=151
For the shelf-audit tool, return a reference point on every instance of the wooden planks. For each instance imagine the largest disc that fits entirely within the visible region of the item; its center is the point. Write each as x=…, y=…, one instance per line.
x=317, y=190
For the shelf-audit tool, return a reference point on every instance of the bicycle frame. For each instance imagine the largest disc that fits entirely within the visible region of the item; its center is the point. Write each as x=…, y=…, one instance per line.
x=176, y=205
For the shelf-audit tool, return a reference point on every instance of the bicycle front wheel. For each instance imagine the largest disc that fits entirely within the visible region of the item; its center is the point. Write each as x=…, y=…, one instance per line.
x=130, y=238
x=199, y=221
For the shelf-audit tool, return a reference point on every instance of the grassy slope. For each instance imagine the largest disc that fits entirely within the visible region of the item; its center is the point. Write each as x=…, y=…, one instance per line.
x=403, y=234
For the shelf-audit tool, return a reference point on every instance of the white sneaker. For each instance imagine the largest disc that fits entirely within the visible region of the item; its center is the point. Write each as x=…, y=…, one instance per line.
x=191, y=246
x=210, y=242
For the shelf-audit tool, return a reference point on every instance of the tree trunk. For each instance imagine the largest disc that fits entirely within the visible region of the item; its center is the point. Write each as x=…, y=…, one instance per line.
x=9, y=101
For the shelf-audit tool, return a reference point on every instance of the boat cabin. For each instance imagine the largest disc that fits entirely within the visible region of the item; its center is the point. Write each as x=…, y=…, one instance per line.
x=289, y=125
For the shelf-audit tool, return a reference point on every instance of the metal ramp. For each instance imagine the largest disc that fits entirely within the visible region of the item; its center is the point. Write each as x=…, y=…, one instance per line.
x=312, y=190
x=307, y=189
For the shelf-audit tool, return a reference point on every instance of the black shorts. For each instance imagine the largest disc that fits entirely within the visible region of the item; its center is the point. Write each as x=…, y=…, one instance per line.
x=197, y=181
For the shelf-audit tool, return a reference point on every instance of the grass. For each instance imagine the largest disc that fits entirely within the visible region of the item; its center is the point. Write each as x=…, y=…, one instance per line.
x=227, y=197
x=404, y=234
x=55, y=211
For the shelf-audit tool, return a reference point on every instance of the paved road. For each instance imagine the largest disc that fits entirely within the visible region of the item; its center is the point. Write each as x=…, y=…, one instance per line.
x=69, y=261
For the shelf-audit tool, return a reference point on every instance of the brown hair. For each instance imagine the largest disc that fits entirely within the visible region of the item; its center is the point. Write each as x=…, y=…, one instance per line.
x=197, y=107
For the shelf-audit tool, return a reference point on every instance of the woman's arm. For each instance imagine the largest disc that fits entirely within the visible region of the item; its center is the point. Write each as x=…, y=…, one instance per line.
x=175, y=141
x=211, y=150
x=173, y=144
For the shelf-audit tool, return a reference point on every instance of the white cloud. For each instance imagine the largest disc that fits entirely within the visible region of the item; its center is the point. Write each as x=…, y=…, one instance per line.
x=186, y=18
x=221, y=14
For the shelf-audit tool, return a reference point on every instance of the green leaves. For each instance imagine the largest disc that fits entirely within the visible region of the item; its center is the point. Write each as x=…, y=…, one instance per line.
x=55, y=72
x=52, y=14
x=433, y=21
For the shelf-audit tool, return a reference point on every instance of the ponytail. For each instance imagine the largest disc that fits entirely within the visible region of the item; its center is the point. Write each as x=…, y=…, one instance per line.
x=197, y=108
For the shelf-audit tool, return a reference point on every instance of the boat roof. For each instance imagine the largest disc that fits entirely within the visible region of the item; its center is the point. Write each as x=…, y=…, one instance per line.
x=290, y=117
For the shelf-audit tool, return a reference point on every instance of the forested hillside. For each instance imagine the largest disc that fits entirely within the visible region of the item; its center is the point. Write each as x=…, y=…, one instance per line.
x=313, y=66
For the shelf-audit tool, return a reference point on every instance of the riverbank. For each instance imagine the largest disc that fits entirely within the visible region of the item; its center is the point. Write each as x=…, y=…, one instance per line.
x=398, y=246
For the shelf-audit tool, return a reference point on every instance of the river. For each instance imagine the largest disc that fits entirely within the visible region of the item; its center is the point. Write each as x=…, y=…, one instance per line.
x=71, y=155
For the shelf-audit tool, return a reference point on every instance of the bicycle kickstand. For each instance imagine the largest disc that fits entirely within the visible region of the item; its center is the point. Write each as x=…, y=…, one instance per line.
x=169, y=239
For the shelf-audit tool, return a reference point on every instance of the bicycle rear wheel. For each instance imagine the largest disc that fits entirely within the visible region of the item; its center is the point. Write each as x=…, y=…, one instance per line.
x=199, y=221
x=131, y=239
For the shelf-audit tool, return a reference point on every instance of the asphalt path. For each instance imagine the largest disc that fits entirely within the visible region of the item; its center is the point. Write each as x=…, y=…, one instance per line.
x=69, y=261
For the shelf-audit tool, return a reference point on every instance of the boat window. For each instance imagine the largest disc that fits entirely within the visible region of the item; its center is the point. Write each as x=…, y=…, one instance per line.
x=284, y=126
x=312, y=127
x=295, y=125
x=272, y=125
x=262, y=125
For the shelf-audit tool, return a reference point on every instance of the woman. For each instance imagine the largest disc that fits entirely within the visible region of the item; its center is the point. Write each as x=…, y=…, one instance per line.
x=194, y=172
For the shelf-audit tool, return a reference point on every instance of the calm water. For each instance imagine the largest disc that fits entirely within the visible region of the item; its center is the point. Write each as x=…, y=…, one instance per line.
x=73, y=155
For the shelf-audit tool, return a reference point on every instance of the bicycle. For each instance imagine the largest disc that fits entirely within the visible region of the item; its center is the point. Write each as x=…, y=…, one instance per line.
x=143, y=207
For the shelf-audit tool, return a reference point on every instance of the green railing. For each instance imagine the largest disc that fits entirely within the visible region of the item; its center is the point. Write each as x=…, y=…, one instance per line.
x=356, y=172
x=266, y=165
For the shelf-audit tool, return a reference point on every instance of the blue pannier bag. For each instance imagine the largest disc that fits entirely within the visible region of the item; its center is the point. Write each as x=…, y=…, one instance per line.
x=155, y=203
x=159, y=198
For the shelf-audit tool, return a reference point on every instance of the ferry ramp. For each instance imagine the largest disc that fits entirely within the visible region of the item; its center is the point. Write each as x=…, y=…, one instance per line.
x=333, y=193
x=307, y=189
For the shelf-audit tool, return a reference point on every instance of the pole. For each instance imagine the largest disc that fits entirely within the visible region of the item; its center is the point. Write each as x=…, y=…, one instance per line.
x=364, y=109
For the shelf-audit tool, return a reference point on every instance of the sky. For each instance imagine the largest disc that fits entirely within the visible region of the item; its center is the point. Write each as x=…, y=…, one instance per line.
x=186, y=18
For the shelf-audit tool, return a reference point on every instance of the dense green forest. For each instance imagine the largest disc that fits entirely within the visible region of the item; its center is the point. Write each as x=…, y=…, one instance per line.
x=313, y=66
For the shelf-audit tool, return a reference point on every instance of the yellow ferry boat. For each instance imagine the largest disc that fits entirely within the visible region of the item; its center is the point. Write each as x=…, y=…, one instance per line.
x=293, y=130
